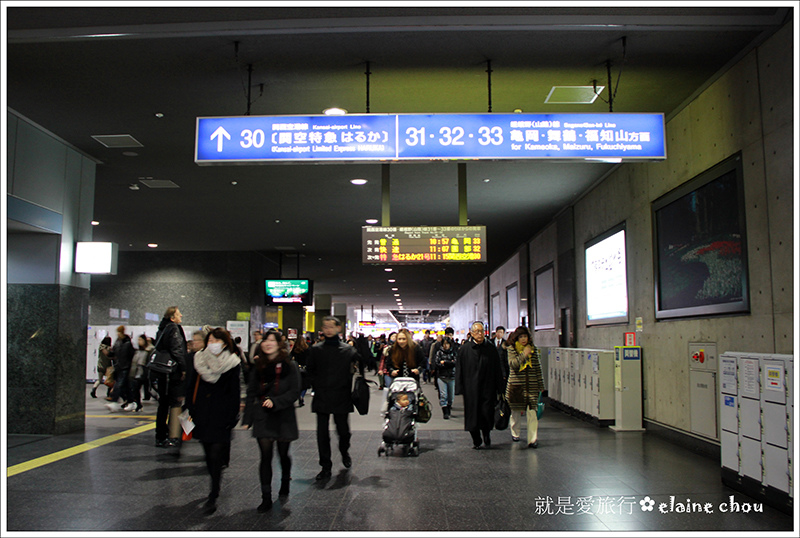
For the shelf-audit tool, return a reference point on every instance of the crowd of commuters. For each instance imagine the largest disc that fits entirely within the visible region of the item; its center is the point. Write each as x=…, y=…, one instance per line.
x=211, y=369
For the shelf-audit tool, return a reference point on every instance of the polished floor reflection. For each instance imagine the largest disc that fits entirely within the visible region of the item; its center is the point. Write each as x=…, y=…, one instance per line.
x=580, y=479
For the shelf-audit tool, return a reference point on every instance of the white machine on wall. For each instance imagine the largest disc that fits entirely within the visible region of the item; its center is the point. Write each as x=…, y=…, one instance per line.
x=627, y=389
x=756, y=413
x=703, y=388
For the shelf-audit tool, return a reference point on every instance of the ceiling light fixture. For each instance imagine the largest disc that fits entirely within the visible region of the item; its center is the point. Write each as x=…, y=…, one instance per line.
x=133, y=187
x=95, y=223
x=394, y=289
x=130, y=153
x=487, y=180
x=159, y=114
x=392, y=280
x=388, y=269
x=334, y=111
x=234, y=182
x=573, y=95
x=358, y=181
x=152, y=245
x=372, y=221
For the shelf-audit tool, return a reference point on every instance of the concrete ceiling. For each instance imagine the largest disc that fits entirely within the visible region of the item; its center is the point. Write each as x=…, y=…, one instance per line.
x=185, y=62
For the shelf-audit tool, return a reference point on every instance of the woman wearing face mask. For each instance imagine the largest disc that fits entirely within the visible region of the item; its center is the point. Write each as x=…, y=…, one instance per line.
x=269, y=409
x=213, y=402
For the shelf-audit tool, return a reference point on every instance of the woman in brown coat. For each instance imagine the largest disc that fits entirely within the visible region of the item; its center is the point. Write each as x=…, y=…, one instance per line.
x=524, y=383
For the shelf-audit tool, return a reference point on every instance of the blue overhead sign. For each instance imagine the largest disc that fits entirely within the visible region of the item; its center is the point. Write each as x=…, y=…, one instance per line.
x=425, y=137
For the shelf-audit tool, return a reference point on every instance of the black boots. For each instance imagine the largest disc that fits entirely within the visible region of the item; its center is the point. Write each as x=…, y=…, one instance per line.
x=266, y=499
x=93, y=394
x=284, y=491
x=446, y=412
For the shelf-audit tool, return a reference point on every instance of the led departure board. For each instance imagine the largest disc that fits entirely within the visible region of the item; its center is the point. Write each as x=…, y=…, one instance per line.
x=398, y=245
x=419, y=137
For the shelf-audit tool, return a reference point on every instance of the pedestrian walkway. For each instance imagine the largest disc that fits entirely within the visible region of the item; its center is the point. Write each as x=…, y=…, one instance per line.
x=110, y=478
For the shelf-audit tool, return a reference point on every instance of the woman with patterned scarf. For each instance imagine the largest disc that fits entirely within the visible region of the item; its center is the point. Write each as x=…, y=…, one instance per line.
x=213, y=402
x=524, y=383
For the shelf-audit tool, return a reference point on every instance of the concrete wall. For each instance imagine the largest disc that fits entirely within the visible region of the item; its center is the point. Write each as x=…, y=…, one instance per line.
x=739, y=112
x=748, y=109
x=505, y=277
x=208, y=287
x=473, y=306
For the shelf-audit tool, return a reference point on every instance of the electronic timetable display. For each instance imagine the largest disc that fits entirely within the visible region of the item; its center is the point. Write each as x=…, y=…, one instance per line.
x=398, y=245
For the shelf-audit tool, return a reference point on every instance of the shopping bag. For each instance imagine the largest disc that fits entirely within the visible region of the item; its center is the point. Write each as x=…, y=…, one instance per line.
x=186, y=424
x=539, y=407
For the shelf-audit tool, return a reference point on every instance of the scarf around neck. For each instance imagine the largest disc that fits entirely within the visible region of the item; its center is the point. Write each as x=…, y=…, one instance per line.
x=211, y=367
x=529, y=361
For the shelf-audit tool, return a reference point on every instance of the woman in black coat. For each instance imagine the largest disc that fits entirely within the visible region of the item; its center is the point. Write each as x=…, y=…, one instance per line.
x=213, y=403
x=269, y=409
x=406, y=358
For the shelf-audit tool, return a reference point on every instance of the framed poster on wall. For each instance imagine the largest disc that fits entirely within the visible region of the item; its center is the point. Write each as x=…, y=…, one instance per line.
x=545, y=307
x=700, y=245
x=607, y=278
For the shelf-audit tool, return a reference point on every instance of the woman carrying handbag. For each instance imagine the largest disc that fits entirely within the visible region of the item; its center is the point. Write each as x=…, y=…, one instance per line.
x=524, y=383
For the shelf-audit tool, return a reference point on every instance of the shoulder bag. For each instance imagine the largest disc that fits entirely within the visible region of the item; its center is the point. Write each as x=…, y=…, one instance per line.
x=161, y=361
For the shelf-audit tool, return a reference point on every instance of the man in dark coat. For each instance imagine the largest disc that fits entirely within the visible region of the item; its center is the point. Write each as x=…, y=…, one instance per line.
x=480, y=379
x=500, y=343
x=330, y=368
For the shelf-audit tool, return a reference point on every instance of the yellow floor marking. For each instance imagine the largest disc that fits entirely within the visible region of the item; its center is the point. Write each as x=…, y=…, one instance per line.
x=62, y=454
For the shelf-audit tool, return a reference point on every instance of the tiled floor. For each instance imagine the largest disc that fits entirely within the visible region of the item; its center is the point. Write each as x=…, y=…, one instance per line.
x=580, y=479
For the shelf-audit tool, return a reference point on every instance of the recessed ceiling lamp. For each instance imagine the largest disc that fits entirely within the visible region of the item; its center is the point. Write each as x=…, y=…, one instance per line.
x=95, y=223
x=392, y=280
x=334, y=111
x=133, y=187
x=358, y=181
x=397, y=295
x=388, y=269
x=234, y=182
x=159, y=114
x=394, y=289
x=487, y=180
x=152, y=245
x=372, y=221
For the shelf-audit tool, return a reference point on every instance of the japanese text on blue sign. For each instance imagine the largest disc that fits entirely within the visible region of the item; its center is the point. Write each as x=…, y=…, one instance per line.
x=254, y=139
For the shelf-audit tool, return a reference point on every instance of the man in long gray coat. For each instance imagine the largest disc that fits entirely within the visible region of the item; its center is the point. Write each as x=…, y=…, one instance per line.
x=479, y=378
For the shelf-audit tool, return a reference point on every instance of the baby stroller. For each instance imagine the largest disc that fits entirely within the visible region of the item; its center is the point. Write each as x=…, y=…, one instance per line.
x=400, y=426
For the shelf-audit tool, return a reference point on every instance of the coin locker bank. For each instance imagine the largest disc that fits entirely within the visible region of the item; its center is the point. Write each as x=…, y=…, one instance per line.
x=756, y=402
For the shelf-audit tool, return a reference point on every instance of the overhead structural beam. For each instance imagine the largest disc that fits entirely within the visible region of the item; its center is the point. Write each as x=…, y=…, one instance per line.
x=385, y=196
x=462, y=194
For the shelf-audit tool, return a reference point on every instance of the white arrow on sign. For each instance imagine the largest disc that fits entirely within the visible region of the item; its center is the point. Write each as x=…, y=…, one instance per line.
x=218, y=134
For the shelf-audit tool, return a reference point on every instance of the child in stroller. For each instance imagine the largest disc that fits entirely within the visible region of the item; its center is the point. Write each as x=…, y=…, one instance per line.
x=400, y=426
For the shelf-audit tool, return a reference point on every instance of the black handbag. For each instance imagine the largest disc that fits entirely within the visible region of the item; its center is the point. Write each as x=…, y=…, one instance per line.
x=360, y=394
x=502, y=414
x=424, y=413
x=161, y=361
